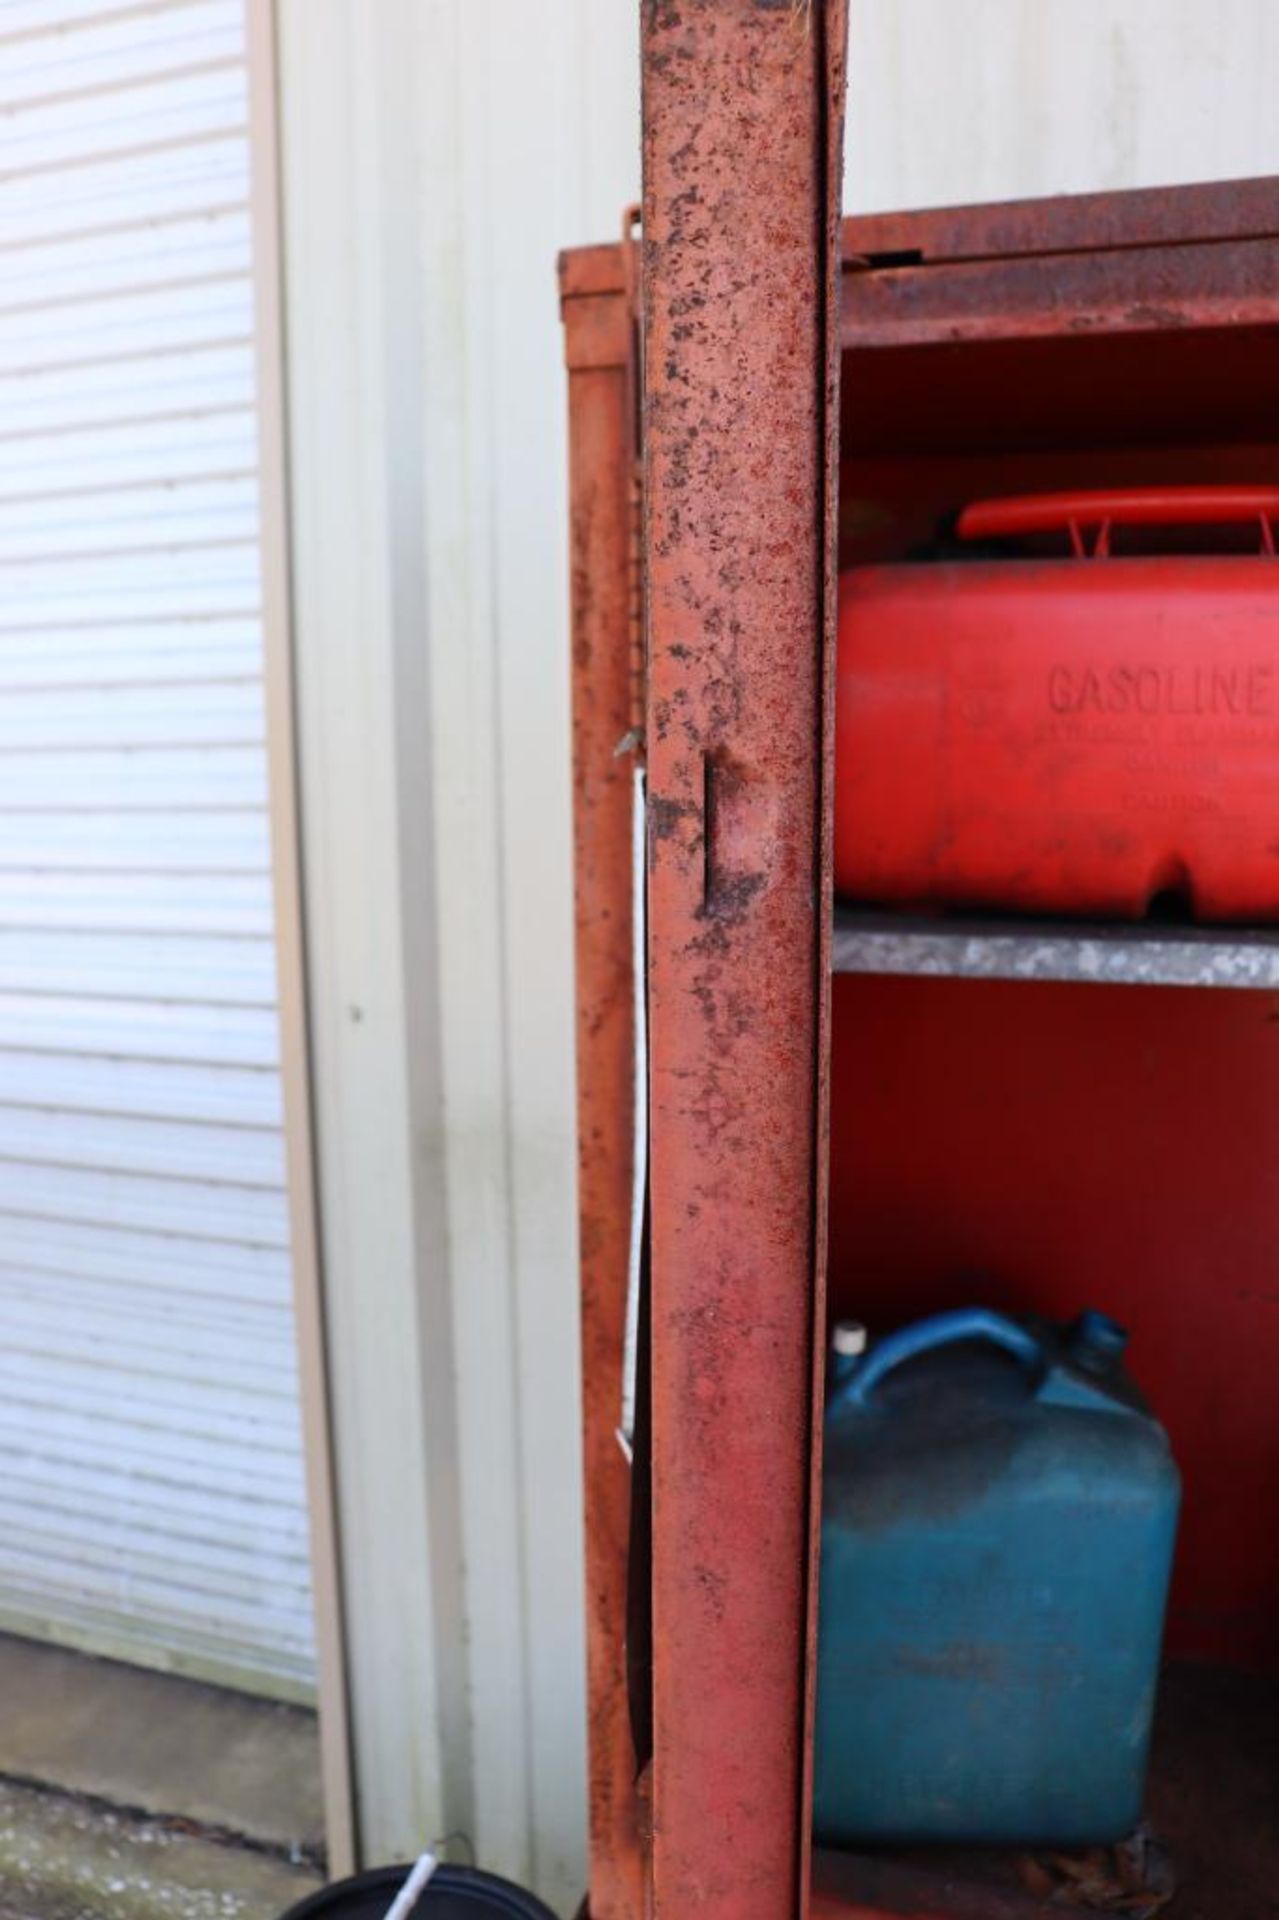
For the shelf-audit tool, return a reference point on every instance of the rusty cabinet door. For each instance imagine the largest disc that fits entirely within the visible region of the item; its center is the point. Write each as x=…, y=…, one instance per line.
x=600, y=351
x=742, y=139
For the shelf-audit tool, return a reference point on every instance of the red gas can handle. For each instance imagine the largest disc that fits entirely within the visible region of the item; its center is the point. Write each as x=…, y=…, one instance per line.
x=1121, y=507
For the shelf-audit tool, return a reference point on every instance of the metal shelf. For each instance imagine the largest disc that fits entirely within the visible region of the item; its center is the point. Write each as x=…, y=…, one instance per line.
x=975, y=949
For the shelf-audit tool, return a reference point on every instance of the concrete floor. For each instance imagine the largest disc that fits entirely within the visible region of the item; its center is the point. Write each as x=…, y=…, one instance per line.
x=129, y=1795
x=61, y=1859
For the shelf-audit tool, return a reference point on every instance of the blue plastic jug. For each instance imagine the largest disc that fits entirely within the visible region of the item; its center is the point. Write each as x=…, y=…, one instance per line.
x=999, y=1511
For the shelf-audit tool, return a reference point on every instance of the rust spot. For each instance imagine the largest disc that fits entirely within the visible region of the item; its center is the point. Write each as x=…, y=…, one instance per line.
x=712, y=1587
x=731, y=895
x=1148, y=316
x=665, y=817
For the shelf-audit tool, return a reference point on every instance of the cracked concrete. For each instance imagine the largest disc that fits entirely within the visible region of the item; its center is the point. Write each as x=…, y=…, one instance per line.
x=63, y=1860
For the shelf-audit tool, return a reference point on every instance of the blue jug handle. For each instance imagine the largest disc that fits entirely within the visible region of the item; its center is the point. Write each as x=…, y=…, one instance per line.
x=942, y=1330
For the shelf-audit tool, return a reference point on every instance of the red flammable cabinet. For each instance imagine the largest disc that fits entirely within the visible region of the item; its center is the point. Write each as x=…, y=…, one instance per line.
x=843, y=1102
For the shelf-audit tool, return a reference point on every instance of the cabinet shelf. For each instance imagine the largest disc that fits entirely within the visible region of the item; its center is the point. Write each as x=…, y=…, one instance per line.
x=976, y=949
x=1210, y=1804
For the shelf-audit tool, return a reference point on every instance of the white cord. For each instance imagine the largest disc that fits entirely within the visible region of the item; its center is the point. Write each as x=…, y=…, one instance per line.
x=407, y=1898
x=639, y=1125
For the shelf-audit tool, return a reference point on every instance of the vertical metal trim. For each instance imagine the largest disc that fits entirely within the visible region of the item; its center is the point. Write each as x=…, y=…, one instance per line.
x=598, y=343
x=335, y=1749
x=737, y=242
x=834, y=101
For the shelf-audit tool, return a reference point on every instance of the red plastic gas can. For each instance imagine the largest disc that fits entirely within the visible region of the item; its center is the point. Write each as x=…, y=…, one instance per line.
x=1072, y=735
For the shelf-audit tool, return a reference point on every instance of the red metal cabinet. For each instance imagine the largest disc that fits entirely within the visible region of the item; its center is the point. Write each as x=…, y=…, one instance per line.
x=1107, y=341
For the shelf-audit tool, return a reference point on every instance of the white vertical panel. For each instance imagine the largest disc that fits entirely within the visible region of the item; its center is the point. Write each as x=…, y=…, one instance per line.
x=295, y=1064
x=152, y=1501
x=438, y=153
x=551, y=101
x=967, y=100
x=352, y=285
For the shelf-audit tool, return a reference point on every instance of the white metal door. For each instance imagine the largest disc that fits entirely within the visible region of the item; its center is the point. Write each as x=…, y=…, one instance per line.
x=152, y=1502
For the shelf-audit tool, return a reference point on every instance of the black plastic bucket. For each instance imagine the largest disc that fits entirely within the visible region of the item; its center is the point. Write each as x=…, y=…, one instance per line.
x=453, y=1893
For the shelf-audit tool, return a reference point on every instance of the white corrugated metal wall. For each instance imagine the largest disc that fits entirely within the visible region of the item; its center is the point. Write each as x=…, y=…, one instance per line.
x=152, y=1502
